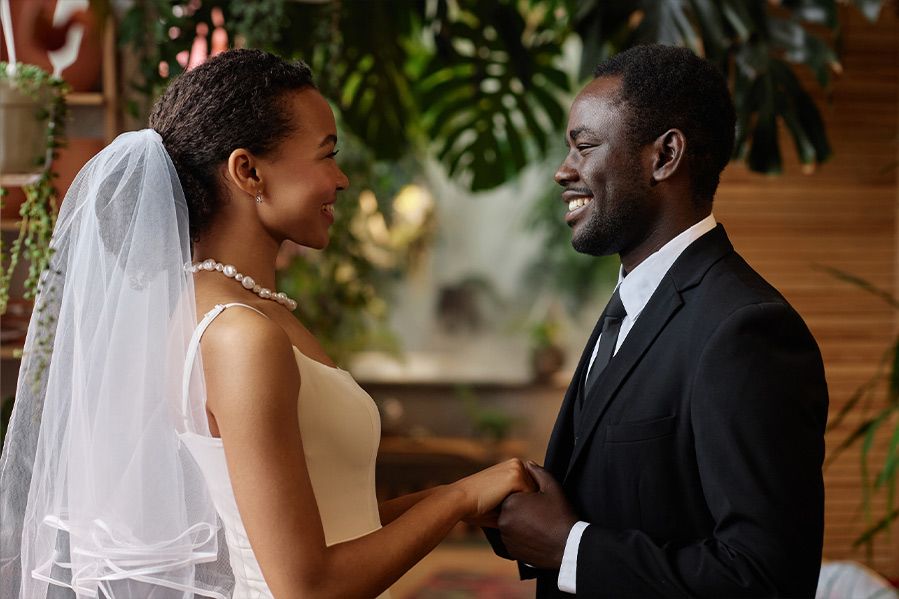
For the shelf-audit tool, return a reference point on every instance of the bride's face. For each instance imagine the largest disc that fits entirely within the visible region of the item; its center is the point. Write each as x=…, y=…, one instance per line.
x=301, y=178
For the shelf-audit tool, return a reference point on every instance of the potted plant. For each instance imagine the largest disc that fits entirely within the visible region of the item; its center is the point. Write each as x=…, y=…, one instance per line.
x=547, y=355
x=493, y=425
x=22, y=136
x=33, y=115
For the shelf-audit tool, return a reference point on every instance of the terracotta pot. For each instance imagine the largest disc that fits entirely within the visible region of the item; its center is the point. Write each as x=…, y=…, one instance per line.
x=14, y=199
x=547, y=361
x=14, y=325
x=23, y=138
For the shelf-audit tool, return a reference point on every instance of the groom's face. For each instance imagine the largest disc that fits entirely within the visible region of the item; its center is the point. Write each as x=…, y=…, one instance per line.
x=605, y=177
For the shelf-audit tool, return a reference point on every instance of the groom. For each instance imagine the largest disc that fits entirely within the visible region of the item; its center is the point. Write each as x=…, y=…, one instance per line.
x=686, y=457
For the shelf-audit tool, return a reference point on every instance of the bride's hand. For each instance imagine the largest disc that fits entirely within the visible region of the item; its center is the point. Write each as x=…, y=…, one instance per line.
x=488, y=520
x=485, y=490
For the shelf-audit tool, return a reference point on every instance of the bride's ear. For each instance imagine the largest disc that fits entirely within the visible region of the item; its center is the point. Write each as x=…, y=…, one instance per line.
x=241, y=171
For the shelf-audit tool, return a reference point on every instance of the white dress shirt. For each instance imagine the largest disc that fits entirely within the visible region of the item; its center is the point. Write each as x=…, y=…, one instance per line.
x=635, y=291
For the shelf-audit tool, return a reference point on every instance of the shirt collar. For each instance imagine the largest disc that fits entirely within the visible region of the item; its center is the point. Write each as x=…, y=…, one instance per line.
x=639, y=285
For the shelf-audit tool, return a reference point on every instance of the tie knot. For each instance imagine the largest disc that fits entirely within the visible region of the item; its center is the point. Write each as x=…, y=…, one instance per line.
x=615, y=307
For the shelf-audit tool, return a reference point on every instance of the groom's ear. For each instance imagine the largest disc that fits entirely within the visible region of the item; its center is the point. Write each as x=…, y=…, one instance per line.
x=241, y=171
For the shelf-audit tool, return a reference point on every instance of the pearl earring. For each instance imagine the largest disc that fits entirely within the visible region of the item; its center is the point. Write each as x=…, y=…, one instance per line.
x=258, y=197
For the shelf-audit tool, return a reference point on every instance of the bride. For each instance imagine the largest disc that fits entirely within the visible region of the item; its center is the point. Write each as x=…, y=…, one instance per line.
x=150, y=456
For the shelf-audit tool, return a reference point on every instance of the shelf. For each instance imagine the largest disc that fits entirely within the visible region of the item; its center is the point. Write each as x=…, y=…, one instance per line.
x=9, y=224
x=85, y=99
x=463, y=447
x=19, y=180
x=445, y=367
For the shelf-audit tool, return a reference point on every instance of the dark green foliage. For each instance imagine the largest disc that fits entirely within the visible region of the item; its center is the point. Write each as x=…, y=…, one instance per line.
x=754, y=43
x=480, y=81
x=491, y=93
x=480, y=84
x=494, y=424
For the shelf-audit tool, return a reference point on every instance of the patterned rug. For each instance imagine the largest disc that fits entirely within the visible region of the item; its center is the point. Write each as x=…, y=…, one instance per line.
x=466, y=585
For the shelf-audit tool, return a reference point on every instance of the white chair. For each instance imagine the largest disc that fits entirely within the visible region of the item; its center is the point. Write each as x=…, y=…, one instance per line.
x=852, y=580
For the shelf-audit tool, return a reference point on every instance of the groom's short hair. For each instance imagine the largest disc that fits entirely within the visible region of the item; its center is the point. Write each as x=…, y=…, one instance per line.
x=665, y=87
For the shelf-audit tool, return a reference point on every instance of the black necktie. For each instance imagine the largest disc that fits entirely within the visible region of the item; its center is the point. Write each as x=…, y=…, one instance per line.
x=614, y=314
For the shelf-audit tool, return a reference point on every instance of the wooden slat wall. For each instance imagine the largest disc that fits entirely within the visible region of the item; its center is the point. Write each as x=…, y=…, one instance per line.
x=844, y=216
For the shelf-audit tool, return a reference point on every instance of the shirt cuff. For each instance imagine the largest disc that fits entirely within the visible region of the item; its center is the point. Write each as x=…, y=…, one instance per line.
x=568, y=571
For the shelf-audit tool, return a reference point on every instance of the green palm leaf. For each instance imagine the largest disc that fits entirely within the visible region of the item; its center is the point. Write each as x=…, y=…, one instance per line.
x=871, y=425
x=491, y=94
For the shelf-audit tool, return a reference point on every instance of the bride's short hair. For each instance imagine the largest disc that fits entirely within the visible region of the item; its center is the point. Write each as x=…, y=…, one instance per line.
x=233, y=100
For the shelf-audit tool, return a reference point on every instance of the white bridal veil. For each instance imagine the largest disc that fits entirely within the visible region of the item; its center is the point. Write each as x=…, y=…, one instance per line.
x=98, y=497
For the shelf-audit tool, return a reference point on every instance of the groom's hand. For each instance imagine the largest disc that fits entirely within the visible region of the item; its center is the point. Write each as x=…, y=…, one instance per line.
x=535, y=526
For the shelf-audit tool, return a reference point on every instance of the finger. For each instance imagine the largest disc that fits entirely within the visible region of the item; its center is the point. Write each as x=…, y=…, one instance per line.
x=529, y=483
x=543, y=478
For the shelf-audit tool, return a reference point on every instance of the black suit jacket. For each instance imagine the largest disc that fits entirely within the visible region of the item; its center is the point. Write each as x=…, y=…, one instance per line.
x=697, y=458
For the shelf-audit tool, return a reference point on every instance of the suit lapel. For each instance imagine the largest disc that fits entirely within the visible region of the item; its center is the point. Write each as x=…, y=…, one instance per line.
x=557, y=451
x=686, y=272
x=658, y=311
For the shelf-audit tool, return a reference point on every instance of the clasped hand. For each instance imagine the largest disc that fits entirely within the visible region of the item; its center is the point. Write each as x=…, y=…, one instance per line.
x=535, y=525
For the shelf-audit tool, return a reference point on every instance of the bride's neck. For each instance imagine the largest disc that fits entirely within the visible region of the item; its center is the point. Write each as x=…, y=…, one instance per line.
x=250, y=254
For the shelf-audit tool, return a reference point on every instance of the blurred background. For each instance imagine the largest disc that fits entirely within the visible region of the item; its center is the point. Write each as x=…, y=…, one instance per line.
x=450, y=289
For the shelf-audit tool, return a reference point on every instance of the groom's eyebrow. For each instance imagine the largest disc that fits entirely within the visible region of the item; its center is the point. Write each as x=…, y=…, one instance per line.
x=574, y=133
x=332, y=139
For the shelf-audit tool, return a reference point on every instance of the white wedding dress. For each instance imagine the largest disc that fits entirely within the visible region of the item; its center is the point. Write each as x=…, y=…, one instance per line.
x=341, y=430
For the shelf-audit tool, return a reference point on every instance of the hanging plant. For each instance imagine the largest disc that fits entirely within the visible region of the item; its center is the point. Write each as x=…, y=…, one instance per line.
x=38, y=212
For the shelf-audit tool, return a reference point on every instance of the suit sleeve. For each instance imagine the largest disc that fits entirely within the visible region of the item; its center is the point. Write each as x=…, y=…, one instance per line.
x=758, y=408
x=496, y=542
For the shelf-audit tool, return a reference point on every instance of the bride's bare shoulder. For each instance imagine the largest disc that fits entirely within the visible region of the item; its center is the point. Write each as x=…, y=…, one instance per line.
x=244, y=352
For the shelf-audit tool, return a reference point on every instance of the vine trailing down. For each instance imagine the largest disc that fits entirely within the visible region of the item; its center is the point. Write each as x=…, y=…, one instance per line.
x=38, y=211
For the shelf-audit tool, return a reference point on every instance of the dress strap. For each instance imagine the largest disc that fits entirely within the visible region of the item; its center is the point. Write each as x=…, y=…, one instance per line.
x=194, y=345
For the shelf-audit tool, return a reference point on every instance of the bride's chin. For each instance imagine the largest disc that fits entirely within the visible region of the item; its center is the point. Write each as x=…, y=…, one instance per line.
x=319, y=244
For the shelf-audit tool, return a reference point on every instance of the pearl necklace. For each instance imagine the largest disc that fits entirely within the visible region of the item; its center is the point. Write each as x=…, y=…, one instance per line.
x=248, y=282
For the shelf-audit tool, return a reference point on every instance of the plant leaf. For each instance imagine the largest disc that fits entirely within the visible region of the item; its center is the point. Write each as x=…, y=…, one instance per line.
x=508, y=92
x=860, y=432
x=857, y=395
x=883, y=524
x=861, y=284
x=894, y=375
x=888, y=472
x=794, y=98
x=602, y=27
